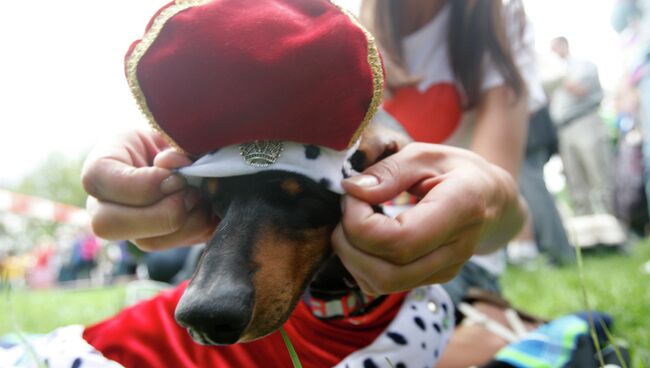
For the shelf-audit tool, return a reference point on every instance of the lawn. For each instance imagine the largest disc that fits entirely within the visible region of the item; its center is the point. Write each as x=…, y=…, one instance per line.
x=615, y=284
x=42, y=311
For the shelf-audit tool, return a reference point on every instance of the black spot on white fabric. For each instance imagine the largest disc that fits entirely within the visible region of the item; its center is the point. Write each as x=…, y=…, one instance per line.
x=77, y=363
x=418, y=321
x=400, y=365
x=368, y=363
x=344, y=173
x=436, y=326
x=312, y=152
x=398, y=338
x=325, y=183
x=424, y=345
x=414, y=307
x=444, y=307
x=358, y=161
x=436, y=353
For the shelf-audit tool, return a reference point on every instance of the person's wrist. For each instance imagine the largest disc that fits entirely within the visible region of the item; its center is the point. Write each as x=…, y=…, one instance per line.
x=505, y=211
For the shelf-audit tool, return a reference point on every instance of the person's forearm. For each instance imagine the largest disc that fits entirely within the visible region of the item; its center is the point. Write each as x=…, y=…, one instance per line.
x=500, y=138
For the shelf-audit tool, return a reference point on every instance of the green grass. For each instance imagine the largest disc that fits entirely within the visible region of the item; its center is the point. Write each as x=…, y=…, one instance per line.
x=43, y=311
x=614, y=283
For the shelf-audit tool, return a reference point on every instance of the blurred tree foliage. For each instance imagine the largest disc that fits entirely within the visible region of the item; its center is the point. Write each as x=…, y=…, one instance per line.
x=57, y=178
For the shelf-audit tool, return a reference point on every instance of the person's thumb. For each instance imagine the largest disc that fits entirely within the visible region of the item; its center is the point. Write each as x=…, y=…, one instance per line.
x=380, y=182
x=171, y=159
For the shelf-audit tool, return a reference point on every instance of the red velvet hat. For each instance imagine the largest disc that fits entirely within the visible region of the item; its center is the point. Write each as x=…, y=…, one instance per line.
x=215, y=73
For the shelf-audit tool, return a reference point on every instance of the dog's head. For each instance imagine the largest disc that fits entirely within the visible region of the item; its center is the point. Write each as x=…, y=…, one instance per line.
x=273, y=236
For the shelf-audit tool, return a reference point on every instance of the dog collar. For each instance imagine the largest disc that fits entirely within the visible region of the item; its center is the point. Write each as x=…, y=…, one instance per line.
x=321, y=164
x=353, y=304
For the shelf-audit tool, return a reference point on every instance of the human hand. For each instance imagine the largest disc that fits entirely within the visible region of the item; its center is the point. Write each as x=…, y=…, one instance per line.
x=135, y=195
x=465, y=201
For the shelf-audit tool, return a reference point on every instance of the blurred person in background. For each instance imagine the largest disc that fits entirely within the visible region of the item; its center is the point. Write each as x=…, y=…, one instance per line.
x=585, y=149
x=13, y=269
x=630, y=203
x=125, y=261
x=42, y=274
x=544, y=231
x=583, y=139
x=631, y=18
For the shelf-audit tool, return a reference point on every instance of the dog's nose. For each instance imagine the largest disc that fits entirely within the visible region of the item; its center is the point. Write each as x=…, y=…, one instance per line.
x=216, y=317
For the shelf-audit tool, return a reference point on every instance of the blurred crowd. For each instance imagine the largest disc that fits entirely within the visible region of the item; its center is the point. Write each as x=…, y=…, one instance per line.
x=598, y=137
x=80, y=260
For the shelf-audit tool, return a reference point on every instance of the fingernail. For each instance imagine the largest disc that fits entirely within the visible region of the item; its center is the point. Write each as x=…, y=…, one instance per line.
x=190, y=200
x=365, y=181
x=172, y=184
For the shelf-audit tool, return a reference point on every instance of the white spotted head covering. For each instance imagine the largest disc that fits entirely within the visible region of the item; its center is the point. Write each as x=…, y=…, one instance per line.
x=323, y=165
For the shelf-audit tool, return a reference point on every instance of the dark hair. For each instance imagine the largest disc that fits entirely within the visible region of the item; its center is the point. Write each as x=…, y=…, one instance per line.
x=476, y=29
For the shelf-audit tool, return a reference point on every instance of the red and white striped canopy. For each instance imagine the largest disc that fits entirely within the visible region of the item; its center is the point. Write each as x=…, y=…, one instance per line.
x=42, y=209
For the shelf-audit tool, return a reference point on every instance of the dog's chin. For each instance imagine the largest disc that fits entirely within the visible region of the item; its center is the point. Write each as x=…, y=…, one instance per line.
x=258, y=334
x=265, y=326
x=203, y=339
x=272, y=324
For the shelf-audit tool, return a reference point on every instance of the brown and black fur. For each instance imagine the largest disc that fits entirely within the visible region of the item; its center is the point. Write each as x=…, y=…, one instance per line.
x=272, y=243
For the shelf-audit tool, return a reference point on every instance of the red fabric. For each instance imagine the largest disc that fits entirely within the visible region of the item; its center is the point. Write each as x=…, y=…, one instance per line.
x=146, y=335
x=232, y=71
x=430, y=116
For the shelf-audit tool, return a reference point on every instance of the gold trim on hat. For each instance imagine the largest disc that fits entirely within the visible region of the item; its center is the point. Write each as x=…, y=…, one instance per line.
x=138, y=52
x=374, y=61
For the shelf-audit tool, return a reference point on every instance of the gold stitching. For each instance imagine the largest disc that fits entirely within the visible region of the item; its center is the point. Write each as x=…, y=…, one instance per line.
x=139, y=51
x=374, y=61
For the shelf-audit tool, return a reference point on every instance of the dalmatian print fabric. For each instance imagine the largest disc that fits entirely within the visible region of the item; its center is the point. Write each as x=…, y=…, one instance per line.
x=323, y=165
x=63, y=347
x=415, y=338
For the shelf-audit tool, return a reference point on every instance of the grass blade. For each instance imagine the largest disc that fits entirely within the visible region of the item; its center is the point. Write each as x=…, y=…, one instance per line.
x=610, y=338
x=292, y=352
x=585, y=299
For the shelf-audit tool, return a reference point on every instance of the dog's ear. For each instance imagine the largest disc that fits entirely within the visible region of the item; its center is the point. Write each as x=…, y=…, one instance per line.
x=383, y=137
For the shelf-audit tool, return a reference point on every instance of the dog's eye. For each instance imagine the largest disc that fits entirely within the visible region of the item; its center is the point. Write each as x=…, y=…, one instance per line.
x=291, y=187
x=210, y=186
x=213, y=190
